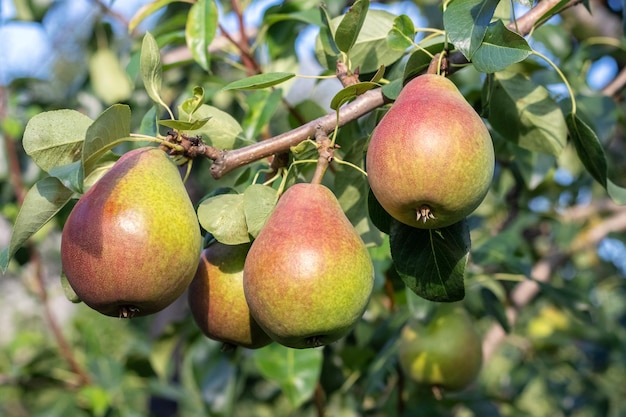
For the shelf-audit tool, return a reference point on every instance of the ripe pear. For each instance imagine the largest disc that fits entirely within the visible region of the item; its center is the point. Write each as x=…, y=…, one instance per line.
x=131, y=244
x=430, y=160
x=217, y=301
x=308, y=276
x=446, y=353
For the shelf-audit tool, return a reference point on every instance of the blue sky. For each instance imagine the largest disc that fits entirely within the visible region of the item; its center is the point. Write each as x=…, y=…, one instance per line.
x=28, y=49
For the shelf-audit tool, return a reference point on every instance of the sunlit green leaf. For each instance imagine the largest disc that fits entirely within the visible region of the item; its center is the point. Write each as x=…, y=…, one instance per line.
x=370, y=49
x=401, y=35
x=420, y=59
x=151, y=69
x=146, y=10
x=55, y=138
x=500, y=48
x=221, y=130
x=223, y=216
x=192, y=104
x=259, y=81
x=110, y=128
x=261, y=107
x=351, y=92
x=466, y=22
x=42, y=202
x=348, y=30
x=327, y=35
x=296, y=371
x=258, y=203
x=524, y=113
x=200, y=30
x=180, y=125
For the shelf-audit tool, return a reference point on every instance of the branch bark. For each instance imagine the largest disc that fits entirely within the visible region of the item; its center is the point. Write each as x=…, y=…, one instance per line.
x=228, y=161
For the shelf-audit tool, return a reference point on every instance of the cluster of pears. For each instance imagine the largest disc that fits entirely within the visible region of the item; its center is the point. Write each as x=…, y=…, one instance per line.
x=131, y=244
x=444, y=353
x=304, y=282
x=430, y=160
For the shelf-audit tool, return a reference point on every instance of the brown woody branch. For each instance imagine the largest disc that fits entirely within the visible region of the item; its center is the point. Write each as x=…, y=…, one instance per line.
x=227, y=161
x=230, y=160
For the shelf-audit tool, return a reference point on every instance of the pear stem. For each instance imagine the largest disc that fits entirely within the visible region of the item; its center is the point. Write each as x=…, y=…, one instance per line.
x=326, y=150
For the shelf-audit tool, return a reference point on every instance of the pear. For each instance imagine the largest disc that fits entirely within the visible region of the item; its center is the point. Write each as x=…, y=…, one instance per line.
x=131, y=244
x=446, y=353
x=217, y=301
x=308, y=276
x=430, y=160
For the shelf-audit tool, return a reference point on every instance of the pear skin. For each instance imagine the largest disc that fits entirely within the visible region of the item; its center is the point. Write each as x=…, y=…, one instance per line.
x=217, y=301
x=308, y=276
x=430, y=160
x=446, y=353
x=131, y=244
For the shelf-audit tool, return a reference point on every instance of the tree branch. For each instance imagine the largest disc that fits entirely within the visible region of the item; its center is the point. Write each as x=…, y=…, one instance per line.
x=230, y=160
x=227, y=161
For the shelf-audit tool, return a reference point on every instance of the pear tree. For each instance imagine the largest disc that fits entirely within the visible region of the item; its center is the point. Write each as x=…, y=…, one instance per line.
x=352, y=208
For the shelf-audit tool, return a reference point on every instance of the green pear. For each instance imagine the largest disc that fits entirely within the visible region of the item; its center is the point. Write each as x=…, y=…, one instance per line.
x=308, y=276
x=217, y=301
x=131, y=244
x=430, y=160
x=446, y=353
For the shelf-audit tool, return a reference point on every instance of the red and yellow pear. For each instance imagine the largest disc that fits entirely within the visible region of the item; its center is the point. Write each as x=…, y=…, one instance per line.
x=217, y=301
x=131, y=244
x=430, y=160
x=308, y=276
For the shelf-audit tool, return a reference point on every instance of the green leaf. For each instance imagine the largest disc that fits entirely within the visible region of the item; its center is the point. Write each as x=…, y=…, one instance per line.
x=180, y=125
x=326, y=35
x=261, y=107
x=617, y=193
x=200, y=31
x=420, y=59
x=221, y=130
x=296, y=371
x=223, y=216
x=192, y=104
x=110, y=128
x=381, y=219
x=350, y=92
x=70, y=175
x=370, y=50
x=402, y=34
x=524, y=113
x=466, y=22
x=68, y=291
x=588, y=148
x=145, y=11
x=42, y=202
x=348, y=30
x=55, y=138
x=260, y=81
x=591, y=154
x=258, y=203
x=151, y=69
x=500, y=48
x=431, y=262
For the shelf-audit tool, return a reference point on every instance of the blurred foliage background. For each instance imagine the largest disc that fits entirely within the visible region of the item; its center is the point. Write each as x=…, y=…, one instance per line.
x=545, y=285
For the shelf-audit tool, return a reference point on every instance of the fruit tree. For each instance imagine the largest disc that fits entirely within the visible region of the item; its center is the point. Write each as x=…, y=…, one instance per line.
x=295, y=208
